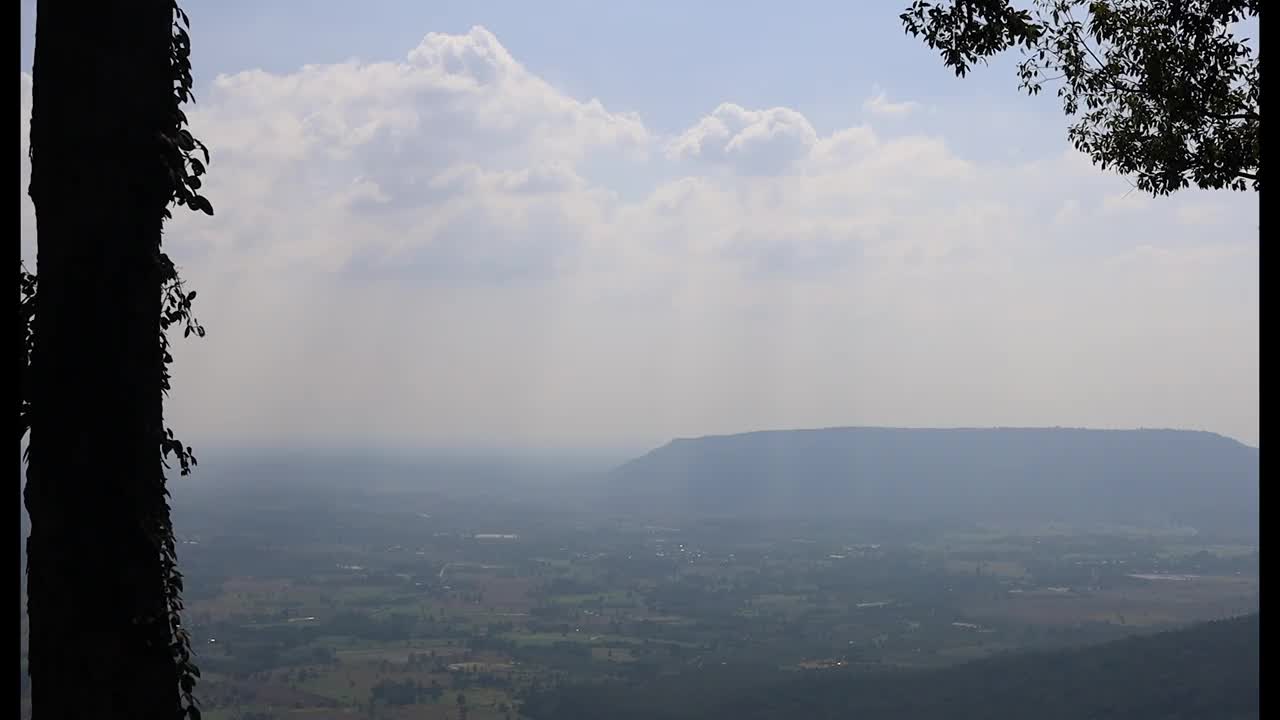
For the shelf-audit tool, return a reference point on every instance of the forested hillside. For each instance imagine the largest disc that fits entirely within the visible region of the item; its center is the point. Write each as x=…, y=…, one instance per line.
x=1207, y=671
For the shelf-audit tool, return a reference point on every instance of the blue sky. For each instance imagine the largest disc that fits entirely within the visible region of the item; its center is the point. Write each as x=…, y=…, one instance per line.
x=667, y=60
x=571, y=224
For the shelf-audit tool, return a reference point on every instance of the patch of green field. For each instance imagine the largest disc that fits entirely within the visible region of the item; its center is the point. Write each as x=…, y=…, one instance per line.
x=1222, y=551
x=542, y=639
x=772, y=603
x=535, y=639
x=613, y=599
x=375, y=654
x=371, y=596
x=996, y=568
x=612, y=654
x=344, y=685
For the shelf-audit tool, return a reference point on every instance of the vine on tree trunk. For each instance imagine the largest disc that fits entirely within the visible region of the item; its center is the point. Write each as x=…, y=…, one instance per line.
x=178, y=148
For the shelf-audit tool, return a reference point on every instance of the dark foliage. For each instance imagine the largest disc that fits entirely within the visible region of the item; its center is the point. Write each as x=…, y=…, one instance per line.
x=1210, y=670
x=96, y=352
x=1160, y=90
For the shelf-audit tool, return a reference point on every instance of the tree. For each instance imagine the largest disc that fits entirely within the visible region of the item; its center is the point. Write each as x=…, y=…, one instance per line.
x=109, y=155
x=1163, y=91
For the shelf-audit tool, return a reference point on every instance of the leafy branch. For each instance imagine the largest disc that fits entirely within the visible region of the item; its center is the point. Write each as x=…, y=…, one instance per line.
x=1162, y=90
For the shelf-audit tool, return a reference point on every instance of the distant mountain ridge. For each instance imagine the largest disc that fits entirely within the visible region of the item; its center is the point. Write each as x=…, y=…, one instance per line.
x=1184, y=477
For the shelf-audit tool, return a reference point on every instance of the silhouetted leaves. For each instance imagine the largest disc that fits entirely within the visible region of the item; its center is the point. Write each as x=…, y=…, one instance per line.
x=177, y=151
x=201, y=203
x=1162, y=90
x=26, y=315
x=175, y=146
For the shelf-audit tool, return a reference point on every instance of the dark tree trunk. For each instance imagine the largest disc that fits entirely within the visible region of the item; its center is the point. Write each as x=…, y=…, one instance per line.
x=99, y=635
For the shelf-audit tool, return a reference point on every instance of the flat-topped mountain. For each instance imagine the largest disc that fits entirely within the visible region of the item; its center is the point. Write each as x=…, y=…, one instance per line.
x=1188, y=478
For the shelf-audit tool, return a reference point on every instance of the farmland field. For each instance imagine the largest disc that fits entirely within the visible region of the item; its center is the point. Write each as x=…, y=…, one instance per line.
x=369, y=612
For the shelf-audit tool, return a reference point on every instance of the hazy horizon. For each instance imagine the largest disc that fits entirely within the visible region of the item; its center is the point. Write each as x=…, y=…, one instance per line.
x=651, y=361
x=499, y=451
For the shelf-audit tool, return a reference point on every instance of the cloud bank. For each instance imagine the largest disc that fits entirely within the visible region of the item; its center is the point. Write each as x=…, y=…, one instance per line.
x=446, y=249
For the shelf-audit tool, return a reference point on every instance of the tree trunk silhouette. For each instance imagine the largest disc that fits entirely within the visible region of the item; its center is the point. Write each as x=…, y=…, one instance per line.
x=99, y=635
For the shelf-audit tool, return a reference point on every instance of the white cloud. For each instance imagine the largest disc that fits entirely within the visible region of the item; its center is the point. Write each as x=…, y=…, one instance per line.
x=548, y=178
x=753, y=142
x=1195, y=256
x=415, y=252
x=1203, y=214
x=1067, y=213
x=879, y=104
x=1127, y=201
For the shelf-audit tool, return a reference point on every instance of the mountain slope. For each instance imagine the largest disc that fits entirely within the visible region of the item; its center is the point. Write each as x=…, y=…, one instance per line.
x=1205, y=671
x=1132, y=476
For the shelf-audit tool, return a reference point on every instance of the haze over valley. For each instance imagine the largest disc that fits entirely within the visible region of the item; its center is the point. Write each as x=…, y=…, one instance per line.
x=551, y=587
x=662, y=361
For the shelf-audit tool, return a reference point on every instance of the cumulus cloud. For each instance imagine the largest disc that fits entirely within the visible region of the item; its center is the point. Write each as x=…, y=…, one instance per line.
x=415, y=252
x=752, y=142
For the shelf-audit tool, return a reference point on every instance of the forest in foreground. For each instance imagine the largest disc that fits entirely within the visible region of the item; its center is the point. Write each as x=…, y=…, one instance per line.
x=1207, y=671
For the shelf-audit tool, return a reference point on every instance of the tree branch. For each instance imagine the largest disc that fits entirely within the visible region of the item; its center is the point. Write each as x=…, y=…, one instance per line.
x=1237, y=116
x=1118, y=84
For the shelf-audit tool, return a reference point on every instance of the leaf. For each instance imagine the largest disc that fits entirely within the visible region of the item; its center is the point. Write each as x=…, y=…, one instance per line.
x=201, y=203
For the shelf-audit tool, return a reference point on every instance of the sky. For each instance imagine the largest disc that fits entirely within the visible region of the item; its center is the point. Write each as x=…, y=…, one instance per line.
x=583, y=225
